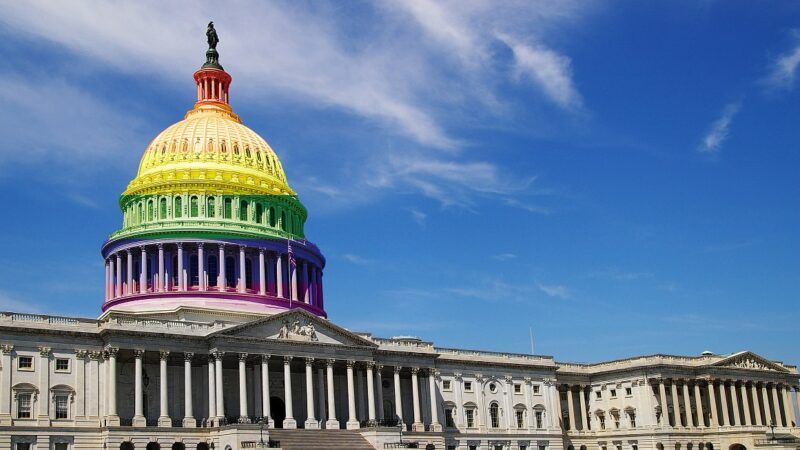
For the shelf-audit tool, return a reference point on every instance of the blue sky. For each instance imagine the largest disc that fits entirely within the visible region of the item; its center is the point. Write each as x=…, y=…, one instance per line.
x=619, y=176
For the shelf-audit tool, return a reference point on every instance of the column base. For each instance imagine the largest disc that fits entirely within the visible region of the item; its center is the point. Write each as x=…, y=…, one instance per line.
x=244, y=419
x=139, y=421
x=112, y=421
x=419, y=426
x=5, y=419
x=270, y=423
x=289, y=424
x=164, y=421
x=43, y=421
x=312, y=424
x=189, y=422
x=353, y=425
x=436, y=427
x=331, y=424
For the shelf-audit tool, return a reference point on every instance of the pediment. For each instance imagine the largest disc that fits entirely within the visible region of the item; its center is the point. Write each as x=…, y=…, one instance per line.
x=749, y=361
x=297, y=325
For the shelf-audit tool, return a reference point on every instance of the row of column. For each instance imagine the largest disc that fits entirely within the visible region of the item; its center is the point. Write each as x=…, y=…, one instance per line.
x=271, y=267
x=729, y=391
x=216, y=394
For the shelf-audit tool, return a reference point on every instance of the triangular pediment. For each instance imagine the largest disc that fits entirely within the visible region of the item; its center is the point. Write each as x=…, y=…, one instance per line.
x=749, y=361
x=297, y=325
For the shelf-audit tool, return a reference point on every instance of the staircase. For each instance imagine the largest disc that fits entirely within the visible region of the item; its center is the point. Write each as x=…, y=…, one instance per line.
x=320, y=439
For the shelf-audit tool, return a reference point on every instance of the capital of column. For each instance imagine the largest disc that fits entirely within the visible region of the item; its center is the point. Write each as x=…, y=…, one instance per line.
x=330, y=362
x=164, y=354
x=128, y=251
x=309, y=361
x=369, y=364
x=143, y=249
x=436, y=374
x=397, y=369
x=188, y=356
x=414, y=370
x=261, y=251
x=217, y=354
x=160, y=246
x=138, y=352
x=81, y=354
x=379, y=367
x=111, y=351
x=508, y=378
x=528, y=380
x=457, y=376
x=287, y=360
x=95, y=355
x=242, y=248
x=179, y=245
x=479, y=377
x=221, y=246
x=243, y=356
x=265, y=357
x=45, y=351
x=350, y=363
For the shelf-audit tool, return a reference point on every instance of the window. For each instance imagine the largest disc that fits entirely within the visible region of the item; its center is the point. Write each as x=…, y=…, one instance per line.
x=62, y=365
x=178, y=207
x=628, y=391
x=62, y=407
x=227, y=210
x=162, y=211
x=259, y=213
x=517, y=388
x=22, y=446
x=494, y=415
x=243, y=210
x=473, y=447
x=520, y=416
x=448, y=418
x=468, y=386
x=469, y=414
x=598, y=394
x=272, y=217
x=61, y=446
x=536, y=389
x=210, y=207
x=492, y=387
x=602, y=419
x=446, y=385
x=24, y=406
x=632, y=416
x=539, y=419
x=193, y=208
x=613, y=393
x=25, y=363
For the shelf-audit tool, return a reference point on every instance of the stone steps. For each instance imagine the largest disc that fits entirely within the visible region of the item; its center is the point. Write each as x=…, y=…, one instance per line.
x=320, y=439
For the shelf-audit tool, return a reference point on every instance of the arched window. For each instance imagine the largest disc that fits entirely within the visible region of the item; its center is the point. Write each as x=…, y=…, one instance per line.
x=178, y=213
x=243, y=210
x=213, y=270
x=259, y=213
x=141, y=216
x=230, y=271
x=150, y=210
x=202, y=446
x=193, y=208
x=494, y=415
x=272, y=217
x=162, y=208
x=126, y=446
x=283, y=220
x=178, y=446
x=153, y=446
x=248, y=273
x=210, y=211
x=227, y=210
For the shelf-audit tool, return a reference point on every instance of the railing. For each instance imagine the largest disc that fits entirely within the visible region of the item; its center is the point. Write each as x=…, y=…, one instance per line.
x=239, y=420
x=385, y=423
x=401, y=445
x=125, y=422
x=44, y=319
x=261, y=444
x=778, y=440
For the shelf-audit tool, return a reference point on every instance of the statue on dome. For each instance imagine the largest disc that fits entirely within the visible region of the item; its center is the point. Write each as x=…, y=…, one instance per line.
x=211, y=33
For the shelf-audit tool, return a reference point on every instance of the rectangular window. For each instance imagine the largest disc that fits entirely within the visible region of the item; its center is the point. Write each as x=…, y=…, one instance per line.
x=628, y=392
x=613, y=393
x=61, y=446
x=598, y=394
x=23, y=446
x=448, y=418
x=473, y=447
x=542, y=447
x=470, y=415
x=446, y=385
x=24, y=406
x=62, y=365
x=468, y=386
x=539, y=419
x=536, y=389
x=62, y=407
x=517, y=388
x=25, y=363
x=520, y=415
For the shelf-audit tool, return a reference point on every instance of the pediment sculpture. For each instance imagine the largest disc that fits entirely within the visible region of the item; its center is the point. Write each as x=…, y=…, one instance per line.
x=294, y=331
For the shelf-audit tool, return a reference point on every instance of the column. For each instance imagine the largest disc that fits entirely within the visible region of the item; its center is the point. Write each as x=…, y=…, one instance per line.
x=270, y=274
x=262, y=273
x=306, y=297
x=698, y=400
x=161, y=281
x=112, y=419
x=44, y=385
x=244, y=417
x=435, y=425
x=143, y=274
x=201, y=268
x=398, y=399
x=118, y=268
x=756, y=404
x=765, y=402
x=181, y=274
x=107, y=279
x=265, y=406
x=222, y=281
x=745, y=404
x=242, y=270
x=687, y=403
x=529, y=402
x=662, y=394
x=676, y=407
x=570, y=408
x=293, y=280
x=735, y=405
x=379, y=392
x=311, y=420
x=138, y=417
x=712, y=404
x=723, y=398
x=220, y=394
x=80, y=383
x=776, y=407
x=212, y=390
x=288, y=422
x=188, y=411
x=582, y=399
x=417, y=425
x=129, y=290
x=163, y=417
x=5, y=384
x=331, y=423
x=788, y=405
x=370, y=392
x=352, y=422
x=279, y=276
x=312, y=286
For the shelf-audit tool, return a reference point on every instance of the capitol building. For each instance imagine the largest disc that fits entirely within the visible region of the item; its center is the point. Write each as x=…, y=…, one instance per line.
x=214, y=335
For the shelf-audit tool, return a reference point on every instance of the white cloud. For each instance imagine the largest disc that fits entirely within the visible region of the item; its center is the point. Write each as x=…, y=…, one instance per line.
x=783, y=71
x=504, y=256
x=418, y=217
x=555, y=290
x=720, y=129
x=356, y=259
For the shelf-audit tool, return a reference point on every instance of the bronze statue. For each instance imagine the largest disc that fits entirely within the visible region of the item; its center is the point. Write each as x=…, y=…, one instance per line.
x=213, y=39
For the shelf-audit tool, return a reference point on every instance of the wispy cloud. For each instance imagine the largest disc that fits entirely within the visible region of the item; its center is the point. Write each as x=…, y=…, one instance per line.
x=616, y=274
x=504, y=256
x=554, y=290
x=355, y=259
x=782, y=71
x=418, y=216
x=719, y=130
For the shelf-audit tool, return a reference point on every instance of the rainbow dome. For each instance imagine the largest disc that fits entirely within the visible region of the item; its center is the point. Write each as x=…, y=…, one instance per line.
x=210, y=222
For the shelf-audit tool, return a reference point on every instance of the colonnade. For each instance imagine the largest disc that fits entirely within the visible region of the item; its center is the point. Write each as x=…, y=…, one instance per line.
x=318, y=415
x=180, y=267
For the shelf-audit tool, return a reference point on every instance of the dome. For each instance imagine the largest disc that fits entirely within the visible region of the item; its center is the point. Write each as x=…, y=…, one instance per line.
x=210, y=146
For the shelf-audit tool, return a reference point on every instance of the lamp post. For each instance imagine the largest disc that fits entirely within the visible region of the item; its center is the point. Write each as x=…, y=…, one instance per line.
x=261, y=443
x=772, y=425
